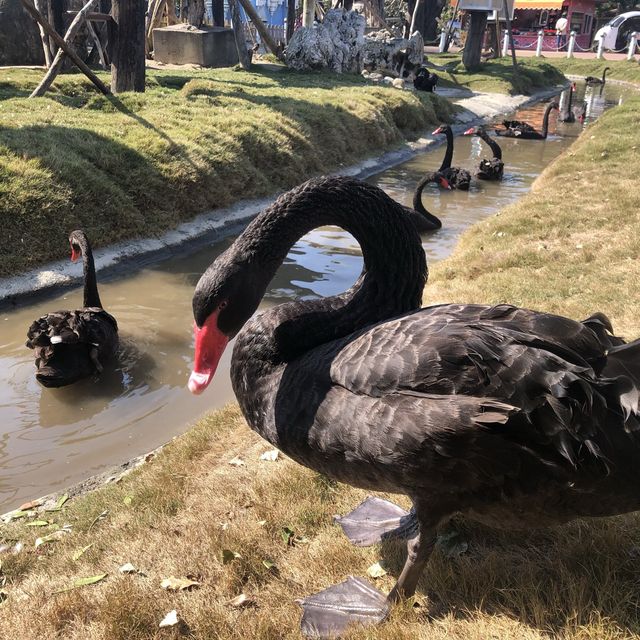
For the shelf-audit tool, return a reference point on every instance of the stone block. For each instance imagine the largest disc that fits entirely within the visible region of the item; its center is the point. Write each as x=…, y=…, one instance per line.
x=184, y=44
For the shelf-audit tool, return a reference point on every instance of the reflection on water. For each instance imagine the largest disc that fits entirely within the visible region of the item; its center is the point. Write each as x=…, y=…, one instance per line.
x=50, y=438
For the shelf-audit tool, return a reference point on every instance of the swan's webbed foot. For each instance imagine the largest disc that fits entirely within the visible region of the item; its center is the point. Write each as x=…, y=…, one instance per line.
x=93, y=354
x=375, y=520
x=327, y=614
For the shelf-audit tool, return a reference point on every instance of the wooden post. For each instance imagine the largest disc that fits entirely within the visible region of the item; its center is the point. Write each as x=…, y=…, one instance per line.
x=291, y=19
x=127, y=45
x=43, y=36
x=238, y=34
x=262, y=30
x=308, y=11
x=59, y=40
x=195, y=12
x=96, y=40
x=447, y=39
x=412, y=28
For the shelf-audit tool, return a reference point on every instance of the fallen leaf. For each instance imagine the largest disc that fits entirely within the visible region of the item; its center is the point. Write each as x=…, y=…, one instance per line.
x=229, y=556
x=243, y=600
x=262, y=522
x=287, y=535
x=37, y=523
x=178, y=584
x=170, y=620
x=127, y=568
x=16, y=515
x=100, y=516
x=128, y=500
x=4, y=594
x=236, y=462
x=83, y=582
x=59, y=503
x=52, y=537
x=452, y=545
x=376, y=570
x=77, y=555
x=30, y=505
x=268, y=564
x=270, y=456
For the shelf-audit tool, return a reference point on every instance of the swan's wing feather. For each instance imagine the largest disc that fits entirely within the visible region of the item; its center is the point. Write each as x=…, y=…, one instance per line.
x=488, y=353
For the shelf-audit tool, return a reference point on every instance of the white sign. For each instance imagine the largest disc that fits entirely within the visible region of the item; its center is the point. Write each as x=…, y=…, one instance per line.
x=487, y=5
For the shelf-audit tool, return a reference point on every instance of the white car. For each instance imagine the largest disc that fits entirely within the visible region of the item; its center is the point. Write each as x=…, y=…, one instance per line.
x=618, y=30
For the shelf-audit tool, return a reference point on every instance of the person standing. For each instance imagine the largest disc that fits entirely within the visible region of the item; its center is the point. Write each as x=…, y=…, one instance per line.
x=561, y=31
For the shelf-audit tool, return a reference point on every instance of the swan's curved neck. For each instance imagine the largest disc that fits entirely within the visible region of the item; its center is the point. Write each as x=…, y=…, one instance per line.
x=448, y=156
x=545, y=120
x=91, y=296
x=604, y=74
x=493, y=145
x=417, y=201
x=391, y=281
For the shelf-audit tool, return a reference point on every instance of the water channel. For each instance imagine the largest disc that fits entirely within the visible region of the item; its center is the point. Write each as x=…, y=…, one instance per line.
x=52, y=438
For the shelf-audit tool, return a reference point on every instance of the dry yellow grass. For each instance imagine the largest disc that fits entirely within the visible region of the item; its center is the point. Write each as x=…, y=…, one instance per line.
x=176, y=515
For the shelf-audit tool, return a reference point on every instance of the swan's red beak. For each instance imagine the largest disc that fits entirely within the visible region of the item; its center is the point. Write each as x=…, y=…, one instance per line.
x=210, y=344
x=74, y=254
x=437, y=131
x=444, y=183
x=469, y=132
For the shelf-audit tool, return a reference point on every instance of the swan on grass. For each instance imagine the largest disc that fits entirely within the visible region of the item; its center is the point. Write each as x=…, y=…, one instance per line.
x=513, y=417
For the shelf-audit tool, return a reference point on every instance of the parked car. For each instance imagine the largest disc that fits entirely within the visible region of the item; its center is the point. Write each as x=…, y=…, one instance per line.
x=618, y=30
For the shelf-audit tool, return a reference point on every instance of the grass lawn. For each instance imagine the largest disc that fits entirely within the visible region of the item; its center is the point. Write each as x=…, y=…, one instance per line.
x=140, y=164
x=497, y=76
x=618, y=69
x=570, y=246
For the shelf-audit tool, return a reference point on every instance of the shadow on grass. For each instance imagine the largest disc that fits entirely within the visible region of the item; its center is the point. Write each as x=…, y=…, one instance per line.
x=552, y=580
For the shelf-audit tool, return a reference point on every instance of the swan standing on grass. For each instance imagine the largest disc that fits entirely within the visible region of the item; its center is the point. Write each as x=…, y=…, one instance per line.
x=70, y=345
x=516, y=418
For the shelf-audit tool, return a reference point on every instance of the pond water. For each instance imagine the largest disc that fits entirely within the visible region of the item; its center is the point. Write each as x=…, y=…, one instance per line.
x=52, y=438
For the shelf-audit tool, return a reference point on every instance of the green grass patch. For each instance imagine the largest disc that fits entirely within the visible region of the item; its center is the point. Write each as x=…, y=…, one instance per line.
x=497, y=76
x=139, y=164
x=626, y=70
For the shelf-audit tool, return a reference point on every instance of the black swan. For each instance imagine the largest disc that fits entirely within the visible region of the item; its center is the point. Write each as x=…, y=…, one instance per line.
x=458, y=178
x=489, y=169
x=70, y=345
x=592, y=80
x=425, y=80
x=516, y=418
x=569, y=116
x=422, y=219
x=523, y=130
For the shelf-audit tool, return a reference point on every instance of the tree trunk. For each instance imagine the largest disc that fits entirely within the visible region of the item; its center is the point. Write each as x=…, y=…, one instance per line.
x=308, y=11
x=432, y=11
x=19, y=38
x=195, y=12
x=218, y=13
x=238, y=34
x=473, y=45
x=127, y=45
x=267, y=40
x=291, y=19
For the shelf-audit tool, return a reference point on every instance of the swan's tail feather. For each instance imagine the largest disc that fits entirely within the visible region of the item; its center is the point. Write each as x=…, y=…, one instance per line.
x=623, y=364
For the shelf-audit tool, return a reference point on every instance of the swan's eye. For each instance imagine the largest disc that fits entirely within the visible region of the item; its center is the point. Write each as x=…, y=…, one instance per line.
x=222, y=305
